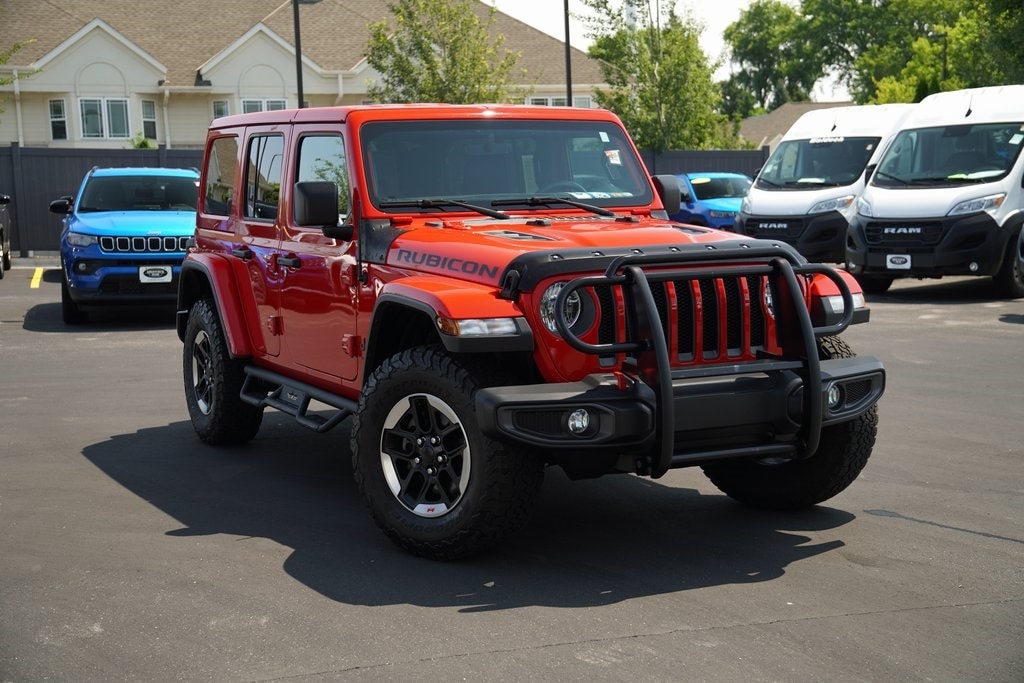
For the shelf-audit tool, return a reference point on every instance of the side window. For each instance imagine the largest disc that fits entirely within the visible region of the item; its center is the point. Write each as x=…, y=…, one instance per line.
x=263, y=176
x=221, y=172
x=322, y=157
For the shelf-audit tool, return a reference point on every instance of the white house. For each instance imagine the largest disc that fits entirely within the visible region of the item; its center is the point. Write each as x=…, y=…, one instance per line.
x=99, y=72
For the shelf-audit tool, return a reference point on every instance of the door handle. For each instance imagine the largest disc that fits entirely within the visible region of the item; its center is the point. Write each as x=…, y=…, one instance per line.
x=243, y=253
x=289, y=261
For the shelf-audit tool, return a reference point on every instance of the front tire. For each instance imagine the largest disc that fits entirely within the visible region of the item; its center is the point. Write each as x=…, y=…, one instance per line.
x=874, y=284
x=69, y=310
x=433, y=482
x=842, y=453
x=213, y=382
x=1009, y=281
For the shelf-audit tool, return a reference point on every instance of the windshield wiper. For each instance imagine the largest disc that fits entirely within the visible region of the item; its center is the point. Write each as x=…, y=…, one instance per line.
x=440, y=203
x=544, y=201
x=890, y=176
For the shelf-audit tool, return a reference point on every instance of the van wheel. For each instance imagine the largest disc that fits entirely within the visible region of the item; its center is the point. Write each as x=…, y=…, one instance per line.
x=1009, y=281
x=874, y=284
x=434, y=483
x=213, y=382
x=842, y=454
x=69, y=310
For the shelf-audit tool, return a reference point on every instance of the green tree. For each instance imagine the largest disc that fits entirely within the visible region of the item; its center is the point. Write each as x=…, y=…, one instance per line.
x=5, y=56
x=660, y=81
x=440, y=51
x=777, y=64
x=903, y=50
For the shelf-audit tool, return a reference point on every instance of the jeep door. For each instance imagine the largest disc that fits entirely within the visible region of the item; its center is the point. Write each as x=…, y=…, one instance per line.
x=319, y=296
x=237, y=179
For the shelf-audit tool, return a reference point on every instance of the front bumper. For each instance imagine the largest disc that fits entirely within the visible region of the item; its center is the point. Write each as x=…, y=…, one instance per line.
x=754, y=410
x=820, y=237
x=926, y=247
x=99, y=280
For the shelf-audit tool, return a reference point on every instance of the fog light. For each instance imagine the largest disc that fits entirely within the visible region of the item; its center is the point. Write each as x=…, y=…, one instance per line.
x=833, y=395
x=973, y=266
x=578, y=421
x=81, y=266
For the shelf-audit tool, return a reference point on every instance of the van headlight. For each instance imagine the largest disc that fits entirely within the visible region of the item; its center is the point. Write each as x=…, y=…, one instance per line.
x=864, y=208
x=570, y=313
x=837, y=204
x=989, y=204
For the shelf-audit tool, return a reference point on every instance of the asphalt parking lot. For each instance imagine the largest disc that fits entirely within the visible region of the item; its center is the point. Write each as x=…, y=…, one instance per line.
x=130, y=551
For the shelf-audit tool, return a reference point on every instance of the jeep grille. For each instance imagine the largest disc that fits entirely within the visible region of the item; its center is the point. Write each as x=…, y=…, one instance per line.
x=705, y=319
x=150, y=244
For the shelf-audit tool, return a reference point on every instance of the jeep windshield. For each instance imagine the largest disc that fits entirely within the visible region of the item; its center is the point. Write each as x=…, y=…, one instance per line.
x=947, y=156
x=139, y=193
x=508, y=163
x=816, y=162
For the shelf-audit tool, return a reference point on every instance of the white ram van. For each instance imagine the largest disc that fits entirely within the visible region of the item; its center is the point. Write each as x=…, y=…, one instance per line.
x=805, y=193
x=946, y=197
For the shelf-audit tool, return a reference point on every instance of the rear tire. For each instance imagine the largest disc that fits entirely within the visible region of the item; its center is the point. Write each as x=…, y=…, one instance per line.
x=213, y=382
x=842, y=454
x=1009, y=281
x=434, y=483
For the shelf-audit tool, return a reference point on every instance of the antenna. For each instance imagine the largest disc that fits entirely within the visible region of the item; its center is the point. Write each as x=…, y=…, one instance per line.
x=970, y=104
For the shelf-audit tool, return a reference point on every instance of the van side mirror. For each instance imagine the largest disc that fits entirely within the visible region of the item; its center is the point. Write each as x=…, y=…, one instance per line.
x=315, y=204
x=868, y=171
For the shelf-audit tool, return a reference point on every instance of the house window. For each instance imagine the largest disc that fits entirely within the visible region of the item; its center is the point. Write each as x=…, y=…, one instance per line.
x=149, y=119
x=221, y=108
x=582, y=101
x=58, y=120
x=266, y=104
x=547, y=101
x=104, y=118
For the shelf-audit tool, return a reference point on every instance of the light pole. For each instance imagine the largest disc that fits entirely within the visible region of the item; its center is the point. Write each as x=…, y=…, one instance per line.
x=933, y=36
x=298, y=44
x=568, y=60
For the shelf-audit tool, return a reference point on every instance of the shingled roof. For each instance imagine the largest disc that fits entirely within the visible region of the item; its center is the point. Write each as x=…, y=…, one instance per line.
x=768, y=129
x=182, y=35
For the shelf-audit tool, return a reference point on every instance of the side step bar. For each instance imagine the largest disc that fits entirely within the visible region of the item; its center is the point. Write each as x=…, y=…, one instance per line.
x=292, y=397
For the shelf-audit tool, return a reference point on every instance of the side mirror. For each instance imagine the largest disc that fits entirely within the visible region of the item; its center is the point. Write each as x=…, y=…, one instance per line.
x=62, y=205
x=685, y=197
x=5, y=199
x=316, y=205
x=669, y=192
x=868, y=171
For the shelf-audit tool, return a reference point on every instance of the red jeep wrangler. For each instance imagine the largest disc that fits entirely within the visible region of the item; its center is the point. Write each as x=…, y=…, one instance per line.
x=491, y=290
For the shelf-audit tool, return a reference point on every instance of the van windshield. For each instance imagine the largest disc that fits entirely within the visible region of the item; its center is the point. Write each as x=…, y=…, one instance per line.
x=829, y=161
x=438, y=163
x=950, y=155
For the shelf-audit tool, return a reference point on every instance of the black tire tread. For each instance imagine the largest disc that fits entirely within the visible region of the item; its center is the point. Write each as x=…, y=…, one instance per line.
x=841, y=456
x=502, y=507
x=231, y=420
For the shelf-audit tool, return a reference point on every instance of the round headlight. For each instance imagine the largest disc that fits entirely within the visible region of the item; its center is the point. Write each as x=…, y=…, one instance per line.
x=571, y=312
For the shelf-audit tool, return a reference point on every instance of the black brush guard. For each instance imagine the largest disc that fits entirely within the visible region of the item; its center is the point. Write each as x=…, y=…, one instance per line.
x=647, y=349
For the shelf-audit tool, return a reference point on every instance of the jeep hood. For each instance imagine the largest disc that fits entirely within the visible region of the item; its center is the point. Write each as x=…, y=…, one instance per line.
x=479, y=250
x=135, y=223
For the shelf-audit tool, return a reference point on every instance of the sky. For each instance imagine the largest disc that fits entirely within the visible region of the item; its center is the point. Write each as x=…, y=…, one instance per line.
x=716, y=15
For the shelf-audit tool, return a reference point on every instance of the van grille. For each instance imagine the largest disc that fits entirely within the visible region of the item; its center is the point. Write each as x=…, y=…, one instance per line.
x=150, y=244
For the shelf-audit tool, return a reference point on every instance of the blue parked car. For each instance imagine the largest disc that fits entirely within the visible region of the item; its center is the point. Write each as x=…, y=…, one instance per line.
x=124, y=238
x=711, y=199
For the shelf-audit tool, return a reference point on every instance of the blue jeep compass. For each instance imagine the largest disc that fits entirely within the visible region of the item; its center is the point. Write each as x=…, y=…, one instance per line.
x=124, y=238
